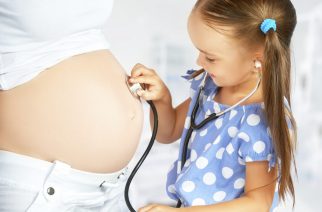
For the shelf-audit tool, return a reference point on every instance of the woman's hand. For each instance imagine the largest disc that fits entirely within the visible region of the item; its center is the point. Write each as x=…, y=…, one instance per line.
x=157, y=208
x=155, y=89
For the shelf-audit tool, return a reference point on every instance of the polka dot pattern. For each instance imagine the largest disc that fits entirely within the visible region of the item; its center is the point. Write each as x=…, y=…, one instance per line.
x=218, y=152
x=227, y=172
x=259, y=147
x=187, y=123
x=232, y=131
x=239, y=183
x=244, y=136
x=209, y=178
x=219, y=196
x=198, y=201
x=218, y=123
x=253, y=120
x=188, y=186
x=230, y=148
x=201, y=162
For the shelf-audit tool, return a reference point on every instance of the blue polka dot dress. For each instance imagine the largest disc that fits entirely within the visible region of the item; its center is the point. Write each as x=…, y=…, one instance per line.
x=215, y=168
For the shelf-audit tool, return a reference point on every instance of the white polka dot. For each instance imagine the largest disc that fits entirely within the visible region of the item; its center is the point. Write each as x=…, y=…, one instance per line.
x=188, y=186
x=204, y=132
x=187, y=123
x=179, y=167
x=240, y=153
x=193, y=155
x=220, y=153
x=227, y=172
x=242, y=120
x=233, y=113
x=259, y=147
x=217, y=139
x=230, y=148
x=241, y=161
x=232, y=131
x=248, y=159
x=253, y=120
x=198, y=201
x=216, y=107
x=243, y=136
x=239, y=183
x=193, y=135
x=269, y=132
x=219, y=196
x=208, y=113
x=201, y=162
x=172, y=189
x=209, y=178
x=187, y=163
x=218, y=123
x=208, y=146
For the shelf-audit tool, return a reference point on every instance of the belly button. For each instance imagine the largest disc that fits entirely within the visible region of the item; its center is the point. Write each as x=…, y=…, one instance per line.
x=132, y=115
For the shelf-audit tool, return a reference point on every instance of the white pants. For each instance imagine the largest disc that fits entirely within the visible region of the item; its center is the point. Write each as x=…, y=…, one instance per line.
x=34, y=185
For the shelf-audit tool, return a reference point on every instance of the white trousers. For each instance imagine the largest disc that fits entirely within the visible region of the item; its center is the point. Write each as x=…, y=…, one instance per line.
x=34, y=185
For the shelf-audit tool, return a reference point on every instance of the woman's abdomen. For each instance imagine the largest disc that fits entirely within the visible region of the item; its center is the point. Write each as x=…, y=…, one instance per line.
x=80, y=111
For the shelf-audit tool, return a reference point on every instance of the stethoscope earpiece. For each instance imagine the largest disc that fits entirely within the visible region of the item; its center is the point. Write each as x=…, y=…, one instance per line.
x=257, y=64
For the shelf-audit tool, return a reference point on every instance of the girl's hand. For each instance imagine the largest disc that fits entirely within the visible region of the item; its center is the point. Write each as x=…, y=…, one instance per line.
x=157, y=208
x=155, y=89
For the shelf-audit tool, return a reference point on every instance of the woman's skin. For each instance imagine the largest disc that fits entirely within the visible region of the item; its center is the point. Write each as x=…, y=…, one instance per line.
x=79, y=111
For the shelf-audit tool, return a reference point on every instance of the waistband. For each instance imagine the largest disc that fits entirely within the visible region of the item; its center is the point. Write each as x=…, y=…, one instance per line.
x=33, y=171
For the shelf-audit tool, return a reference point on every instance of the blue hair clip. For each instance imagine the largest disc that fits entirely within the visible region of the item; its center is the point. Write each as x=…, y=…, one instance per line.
x=267, y=25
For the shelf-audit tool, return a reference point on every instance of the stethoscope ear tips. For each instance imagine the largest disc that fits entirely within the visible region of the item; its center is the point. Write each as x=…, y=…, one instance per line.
x=257, y=64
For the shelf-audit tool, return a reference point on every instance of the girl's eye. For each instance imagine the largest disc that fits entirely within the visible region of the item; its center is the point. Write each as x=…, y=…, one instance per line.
x=210, y=60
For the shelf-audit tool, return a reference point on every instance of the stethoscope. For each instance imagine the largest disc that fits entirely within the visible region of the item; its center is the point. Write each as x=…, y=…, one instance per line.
x=193, y=126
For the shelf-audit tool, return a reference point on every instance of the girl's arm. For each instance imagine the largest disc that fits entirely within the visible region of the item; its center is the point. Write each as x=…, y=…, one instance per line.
x=259, y=193
x=171, y=120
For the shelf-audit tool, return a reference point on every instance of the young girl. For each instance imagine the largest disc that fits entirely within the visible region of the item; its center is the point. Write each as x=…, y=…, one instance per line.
x=241, y=161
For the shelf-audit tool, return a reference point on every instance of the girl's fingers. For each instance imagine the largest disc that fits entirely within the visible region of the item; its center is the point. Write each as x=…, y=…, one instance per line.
x=149, y=80
x=140, y=69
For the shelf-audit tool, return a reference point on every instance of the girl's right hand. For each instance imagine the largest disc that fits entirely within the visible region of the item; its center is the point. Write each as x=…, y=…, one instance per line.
x=155, y=89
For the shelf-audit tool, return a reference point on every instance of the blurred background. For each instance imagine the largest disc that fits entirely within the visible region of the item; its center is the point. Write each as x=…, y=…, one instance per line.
x=154, y=33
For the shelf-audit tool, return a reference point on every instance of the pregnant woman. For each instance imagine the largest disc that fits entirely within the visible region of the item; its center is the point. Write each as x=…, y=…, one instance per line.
x=68, y=123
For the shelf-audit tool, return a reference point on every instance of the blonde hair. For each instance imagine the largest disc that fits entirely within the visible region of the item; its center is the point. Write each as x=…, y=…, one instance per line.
x=245, y=18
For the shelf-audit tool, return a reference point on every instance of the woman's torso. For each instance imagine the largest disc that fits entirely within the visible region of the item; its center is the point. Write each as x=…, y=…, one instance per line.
x=79, y=111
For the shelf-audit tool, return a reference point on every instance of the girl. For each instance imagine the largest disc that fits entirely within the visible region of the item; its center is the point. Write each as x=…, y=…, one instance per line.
x=242, y=160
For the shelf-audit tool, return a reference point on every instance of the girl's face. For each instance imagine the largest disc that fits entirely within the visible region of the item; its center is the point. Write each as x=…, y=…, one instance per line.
x=226, y=61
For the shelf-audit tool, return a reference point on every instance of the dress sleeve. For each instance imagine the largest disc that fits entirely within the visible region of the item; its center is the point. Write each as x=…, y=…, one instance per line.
x=255, y=141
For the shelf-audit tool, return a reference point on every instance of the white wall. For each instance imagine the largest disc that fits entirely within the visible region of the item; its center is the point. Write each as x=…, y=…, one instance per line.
x=154, y=33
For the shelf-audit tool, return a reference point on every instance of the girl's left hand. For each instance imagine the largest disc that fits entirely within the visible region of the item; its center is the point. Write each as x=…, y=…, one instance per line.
x=157, y=208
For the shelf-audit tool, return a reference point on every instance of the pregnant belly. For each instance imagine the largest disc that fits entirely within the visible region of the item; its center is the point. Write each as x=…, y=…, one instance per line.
x=80, y=111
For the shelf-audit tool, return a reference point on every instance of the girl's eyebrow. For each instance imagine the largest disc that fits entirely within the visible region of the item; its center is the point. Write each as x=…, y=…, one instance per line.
x=206, y=52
